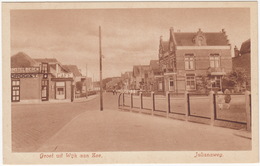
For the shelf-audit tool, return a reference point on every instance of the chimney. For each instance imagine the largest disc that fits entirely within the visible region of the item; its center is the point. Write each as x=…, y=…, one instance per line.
x=223, y=31
x=161, y=38
x=172, y=37
x=236, y=52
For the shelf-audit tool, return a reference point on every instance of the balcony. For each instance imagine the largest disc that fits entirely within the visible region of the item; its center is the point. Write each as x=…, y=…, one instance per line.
x=217, y=71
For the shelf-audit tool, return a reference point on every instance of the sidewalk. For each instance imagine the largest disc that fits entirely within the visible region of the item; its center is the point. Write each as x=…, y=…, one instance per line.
x=52, y=101
x=113, y=130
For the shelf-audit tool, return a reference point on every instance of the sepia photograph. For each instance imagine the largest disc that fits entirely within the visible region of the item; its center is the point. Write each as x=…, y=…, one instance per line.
x=129, y=82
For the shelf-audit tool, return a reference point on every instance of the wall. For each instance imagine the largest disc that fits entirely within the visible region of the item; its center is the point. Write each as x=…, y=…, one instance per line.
x=30, y=88
x=68, y=89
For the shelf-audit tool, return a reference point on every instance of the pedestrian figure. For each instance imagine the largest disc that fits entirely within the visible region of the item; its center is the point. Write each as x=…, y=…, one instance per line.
x=220, y=100
x=227, y=98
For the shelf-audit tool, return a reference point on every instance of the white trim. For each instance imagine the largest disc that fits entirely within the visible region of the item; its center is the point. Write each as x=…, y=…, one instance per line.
x=202, y=47
x=167, y=74
x=160, y=76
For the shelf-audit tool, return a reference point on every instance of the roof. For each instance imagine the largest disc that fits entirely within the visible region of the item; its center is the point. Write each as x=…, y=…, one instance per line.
x=22, y=60
x=212, y=38
x=245, y=47
x=72, y=68
x=137, y=70
x=47, y=60
x=154, y=65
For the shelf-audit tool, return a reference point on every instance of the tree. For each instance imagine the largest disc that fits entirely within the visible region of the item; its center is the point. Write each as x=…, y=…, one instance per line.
x=203, y=84
x=79, y=85
x=236, y=79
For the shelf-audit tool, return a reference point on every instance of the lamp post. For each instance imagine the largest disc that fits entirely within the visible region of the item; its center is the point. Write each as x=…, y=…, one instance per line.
x=100, y=65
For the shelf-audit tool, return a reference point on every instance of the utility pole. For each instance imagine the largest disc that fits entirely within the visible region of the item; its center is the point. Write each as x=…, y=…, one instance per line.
x=100, y=61
x=86, y=80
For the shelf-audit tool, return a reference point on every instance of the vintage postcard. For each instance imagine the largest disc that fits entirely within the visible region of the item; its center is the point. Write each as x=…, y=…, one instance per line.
x=130, y=82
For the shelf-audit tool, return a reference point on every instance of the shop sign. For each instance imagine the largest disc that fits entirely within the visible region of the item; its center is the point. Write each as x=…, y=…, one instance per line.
x=64, y=75
x=26, y=70
x=24, y=75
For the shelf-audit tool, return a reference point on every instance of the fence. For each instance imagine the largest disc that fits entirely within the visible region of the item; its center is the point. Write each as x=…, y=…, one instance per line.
x=203, y=108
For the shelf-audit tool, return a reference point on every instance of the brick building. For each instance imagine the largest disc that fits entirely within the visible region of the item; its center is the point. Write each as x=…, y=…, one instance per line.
x=187, y=56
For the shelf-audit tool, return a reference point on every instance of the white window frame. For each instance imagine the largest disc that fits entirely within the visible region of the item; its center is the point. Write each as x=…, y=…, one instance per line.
x=189, y=58
x=189, y=80
x=212, y=58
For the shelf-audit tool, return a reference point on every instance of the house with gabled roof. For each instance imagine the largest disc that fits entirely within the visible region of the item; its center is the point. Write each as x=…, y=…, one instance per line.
x=186, y=56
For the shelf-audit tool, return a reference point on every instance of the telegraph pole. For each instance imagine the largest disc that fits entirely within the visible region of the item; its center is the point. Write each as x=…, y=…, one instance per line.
x=86, y=80
x=100, y=61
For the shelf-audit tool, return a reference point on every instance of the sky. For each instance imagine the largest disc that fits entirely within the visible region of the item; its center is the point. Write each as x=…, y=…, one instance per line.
x=129, y=36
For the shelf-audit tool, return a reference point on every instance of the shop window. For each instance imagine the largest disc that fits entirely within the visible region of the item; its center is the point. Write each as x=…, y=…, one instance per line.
x=44, y=68
x=15, y=91
x=190, y=82
x=189, y=61
x=214, y=60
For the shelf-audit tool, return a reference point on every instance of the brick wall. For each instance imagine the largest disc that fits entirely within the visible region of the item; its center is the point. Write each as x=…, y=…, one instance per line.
x=202, y=62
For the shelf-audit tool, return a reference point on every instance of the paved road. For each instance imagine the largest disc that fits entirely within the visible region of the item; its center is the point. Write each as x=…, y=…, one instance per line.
x=81, y=127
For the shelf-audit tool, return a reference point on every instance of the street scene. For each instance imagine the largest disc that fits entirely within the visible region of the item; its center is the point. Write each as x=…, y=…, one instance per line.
x=81, y=82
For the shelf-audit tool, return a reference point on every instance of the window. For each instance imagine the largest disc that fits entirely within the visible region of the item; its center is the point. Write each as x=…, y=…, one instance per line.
x=214, y=60
x=44, y=67
x=189, y=61
x=15, y=90
x=44, y=82
x=190, y=82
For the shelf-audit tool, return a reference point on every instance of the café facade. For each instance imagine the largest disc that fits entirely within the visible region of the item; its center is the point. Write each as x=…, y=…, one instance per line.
x=40, y=80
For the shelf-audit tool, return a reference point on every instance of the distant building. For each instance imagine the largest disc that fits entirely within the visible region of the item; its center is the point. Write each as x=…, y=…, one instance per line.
x=242, y=60
x=127, y=80
x=187, y=56
x=140, y=77
x=155, y=77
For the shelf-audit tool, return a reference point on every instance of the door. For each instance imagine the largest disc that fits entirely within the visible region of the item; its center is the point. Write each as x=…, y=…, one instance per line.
x=171, y=84
x=60, y=90
x=45, y=87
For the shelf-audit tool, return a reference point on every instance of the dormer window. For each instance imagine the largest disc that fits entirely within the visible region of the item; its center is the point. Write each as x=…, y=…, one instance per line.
x=200, y=40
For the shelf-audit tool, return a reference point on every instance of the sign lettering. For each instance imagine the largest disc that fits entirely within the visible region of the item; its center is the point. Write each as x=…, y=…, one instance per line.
x=26, y=70
x=25, y=75
x=64, y=75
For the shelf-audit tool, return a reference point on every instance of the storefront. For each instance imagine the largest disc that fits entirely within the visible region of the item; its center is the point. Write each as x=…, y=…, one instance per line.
x=26, y=84
x=33, y=84
x=63, y=86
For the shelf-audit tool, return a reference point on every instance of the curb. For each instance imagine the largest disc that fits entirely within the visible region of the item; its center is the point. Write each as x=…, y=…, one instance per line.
x=55, y=101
